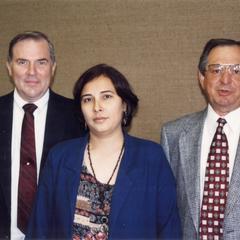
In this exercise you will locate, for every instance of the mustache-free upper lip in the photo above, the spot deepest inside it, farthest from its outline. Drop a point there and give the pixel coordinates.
(99, 118)
(31, 80)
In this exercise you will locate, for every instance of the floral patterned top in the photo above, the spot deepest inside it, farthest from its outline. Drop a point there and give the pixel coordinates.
(92, 208)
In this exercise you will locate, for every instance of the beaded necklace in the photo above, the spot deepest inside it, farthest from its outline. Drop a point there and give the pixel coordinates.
(114, 170)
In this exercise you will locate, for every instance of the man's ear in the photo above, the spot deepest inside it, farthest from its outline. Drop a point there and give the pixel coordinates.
(54, 68)
(8, 65)
(201, 79)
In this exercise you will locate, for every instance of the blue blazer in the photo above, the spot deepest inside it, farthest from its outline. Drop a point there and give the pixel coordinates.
(143, 202)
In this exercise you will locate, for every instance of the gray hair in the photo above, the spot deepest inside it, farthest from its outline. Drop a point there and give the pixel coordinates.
(35, 35)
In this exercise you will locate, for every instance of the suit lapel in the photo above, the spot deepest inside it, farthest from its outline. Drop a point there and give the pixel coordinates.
(190, 145)
(234, 193)
(126, 177)
(72, 173)
(53, 126)
(6, 115)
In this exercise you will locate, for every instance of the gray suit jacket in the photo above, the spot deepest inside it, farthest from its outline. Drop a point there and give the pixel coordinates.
(181, 141)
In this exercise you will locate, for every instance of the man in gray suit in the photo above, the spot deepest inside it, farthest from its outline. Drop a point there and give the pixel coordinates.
(187, 140)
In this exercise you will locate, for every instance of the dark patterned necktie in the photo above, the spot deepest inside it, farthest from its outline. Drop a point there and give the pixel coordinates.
(27, 184)
(215, 187)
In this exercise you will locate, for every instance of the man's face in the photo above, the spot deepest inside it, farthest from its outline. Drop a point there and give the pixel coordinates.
(31, 68)
(222, 88)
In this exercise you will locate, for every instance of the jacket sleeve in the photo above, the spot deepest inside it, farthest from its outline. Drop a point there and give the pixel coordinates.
(169, 221)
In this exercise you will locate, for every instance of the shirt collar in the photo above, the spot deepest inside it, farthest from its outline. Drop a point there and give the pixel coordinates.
(40, 103)
(232, 118)
(212, 117)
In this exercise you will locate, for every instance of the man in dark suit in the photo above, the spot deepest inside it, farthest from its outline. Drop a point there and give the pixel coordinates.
(208, 181)
(31, 65)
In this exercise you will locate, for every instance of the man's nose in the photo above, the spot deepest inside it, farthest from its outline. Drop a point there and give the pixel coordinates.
(226, 76)
(31, 69)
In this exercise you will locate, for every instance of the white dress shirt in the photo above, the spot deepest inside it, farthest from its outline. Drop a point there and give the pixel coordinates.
(232, 131)
(39, 125)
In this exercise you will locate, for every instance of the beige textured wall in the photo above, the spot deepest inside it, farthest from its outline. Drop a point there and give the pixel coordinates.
(155, 43)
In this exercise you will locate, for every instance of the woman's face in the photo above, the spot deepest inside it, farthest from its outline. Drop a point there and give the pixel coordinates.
(102, 108)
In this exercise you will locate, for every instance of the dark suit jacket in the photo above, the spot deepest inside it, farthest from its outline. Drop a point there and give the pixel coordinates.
(143, 204)
(61, 124)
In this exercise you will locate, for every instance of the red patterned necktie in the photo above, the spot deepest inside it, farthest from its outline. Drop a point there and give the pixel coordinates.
(27, 184)
(215, 187)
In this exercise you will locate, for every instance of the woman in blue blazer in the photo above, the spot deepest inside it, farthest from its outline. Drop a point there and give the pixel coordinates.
(106, 185)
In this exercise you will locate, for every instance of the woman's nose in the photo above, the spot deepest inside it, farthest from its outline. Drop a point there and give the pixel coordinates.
(97, 106)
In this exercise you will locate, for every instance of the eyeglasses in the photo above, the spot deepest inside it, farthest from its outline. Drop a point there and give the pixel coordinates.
(217, 70)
